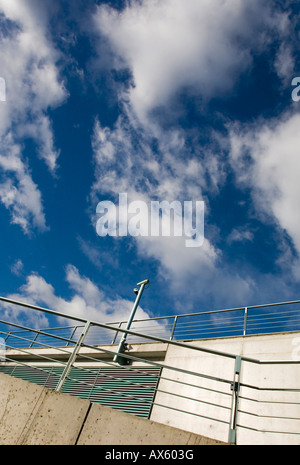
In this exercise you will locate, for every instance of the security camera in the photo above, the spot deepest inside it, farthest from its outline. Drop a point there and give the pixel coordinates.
(146, 281)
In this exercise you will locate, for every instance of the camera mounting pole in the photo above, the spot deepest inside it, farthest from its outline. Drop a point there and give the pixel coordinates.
(122, 345)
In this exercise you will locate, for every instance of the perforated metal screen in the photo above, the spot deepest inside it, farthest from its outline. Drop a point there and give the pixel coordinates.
(131, 390)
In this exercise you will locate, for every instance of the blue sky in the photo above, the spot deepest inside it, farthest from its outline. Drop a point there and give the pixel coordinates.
(163, 100)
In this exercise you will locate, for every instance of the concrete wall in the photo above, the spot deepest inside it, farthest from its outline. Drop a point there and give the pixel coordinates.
(269, 413)
(34, 415)
(274, 411)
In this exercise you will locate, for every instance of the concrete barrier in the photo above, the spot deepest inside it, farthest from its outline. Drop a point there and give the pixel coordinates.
(34, 415)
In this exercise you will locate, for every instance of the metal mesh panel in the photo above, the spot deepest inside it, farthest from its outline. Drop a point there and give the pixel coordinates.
(130, 390)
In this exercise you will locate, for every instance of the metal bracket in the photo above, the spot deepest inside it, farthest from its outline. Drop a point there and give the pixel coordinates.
(118, 357)
(235, 386)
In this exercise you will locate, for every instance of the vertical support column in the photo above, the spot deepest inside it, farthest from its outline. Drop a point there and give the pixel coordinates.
(174, 326)
(245, 321)
(73, 356)
(235, 387)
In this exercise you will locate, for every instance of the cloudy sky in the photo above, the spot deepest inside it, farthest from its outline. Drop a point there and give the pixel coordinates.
(163, 100)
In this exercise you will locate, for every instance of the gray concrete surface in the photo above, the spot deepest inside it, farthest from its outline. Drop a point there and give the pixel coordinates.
(34, 415)
(106, 426)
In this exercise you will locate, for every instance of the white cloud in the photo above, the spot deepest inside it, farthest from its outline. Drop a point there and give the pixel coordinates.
(285, 63)
(240, 235)
(28, 65)
(88, 301)
(18, 192)
(169, 47)
(41, 132)
(126, 162)
(17, 267)
(266, 159)
(173, 44)
(169, 173)
(172, 171)
(97, 256)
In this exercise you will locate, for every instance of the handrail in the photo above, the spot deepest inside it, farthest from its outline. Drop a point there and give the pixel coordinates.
(119, 329)
(234, 309)
(144, 336)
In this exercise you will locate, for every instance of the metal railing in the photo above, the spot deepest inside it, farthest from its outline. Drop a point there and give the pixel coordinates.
(240, 321)
(220, 403)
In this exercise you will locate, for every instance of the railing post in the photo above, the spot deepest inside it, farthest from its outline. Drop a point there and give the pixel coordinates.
(35, 338)
(117, 332)
(73, 356)
(245, 321)
(73, 332)
(173, 329)
(235, 387)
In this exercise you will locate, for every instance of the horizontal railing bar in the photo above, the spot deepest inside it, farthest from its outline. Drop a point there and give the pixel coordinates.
(101, 388)
(209, 322)
(284, 402)
(143, 385)
(125, 356)
(152, 403)
(267, 319)
(215, 311)
(274, 304)
(251, 319)
(153, 338)
(163, 377)
(278, 312)
(257, 388)
(182, 331)
(146, 336)
(40, 343)
(191, 413)
(182, 328)
(43, 329)
(204, 326)
(35, 307)
(265, 431)
(39, 356)
(133, 358)
(124, 367)
(211, 329)
(267, 416)
(42, 309)
(13, 336)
